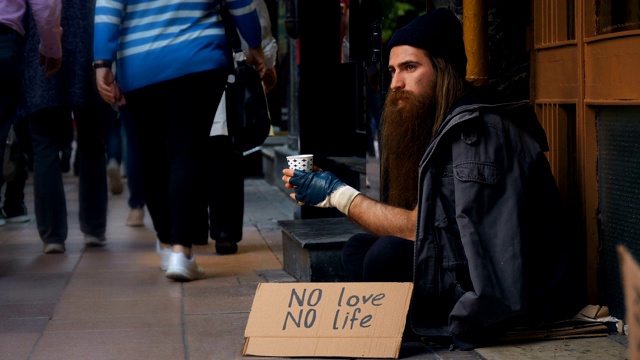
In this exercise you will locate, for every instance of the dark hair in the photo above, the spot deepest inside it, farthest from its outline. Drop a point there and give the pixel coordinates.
(439, 32)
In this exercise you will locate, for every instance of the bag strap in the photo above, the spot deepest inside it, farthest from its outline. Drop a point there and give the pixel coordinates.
(230, 29)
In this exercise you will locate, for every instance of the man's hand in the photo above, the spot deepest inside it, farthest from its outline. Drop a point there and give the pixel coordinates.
(50, 65)
(269, 80)
(321, 189)
(108, 88)
(255, 57)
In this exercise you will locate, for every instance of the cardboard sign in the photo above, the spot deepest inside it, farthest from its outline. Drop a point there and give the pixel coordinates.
(631, 284)
(327, 319)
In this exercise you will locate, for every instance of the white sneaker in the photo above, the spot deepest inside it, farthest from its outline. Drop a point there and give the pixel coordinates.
(136, 217)
(164, 254)
(53, 248)
(18, 219)
(115, 179)
(182, 269)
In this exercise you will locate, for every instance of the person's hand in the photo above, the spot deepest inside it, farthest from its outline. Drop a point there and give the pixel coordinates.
(269, 80)
(255, 57)
(50, 65)
(320, 189)
(108, 88)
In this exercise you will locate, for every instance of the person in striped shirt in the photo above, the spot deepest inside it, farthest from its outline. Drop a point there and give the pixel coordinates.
(172, 60)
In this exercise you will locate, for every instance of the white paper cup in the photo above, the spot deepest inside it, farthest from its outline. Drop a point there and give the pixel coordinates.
(300, 162)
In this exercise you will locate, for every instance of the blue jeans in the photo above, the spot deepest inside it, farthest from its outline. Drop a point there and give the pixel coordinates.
(114, 137)
(48, 133)
(133, 159)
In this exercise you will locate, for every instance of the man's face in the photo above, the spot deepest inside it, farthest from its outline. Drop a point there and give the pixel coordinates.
(408, 118)
(412, 75)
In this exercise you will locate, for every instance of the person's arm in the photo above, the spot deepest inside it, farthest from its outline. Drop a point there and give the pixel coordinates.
(46, 14)
(108, 17)
(323, 189)
(269, 46)
(247, 22)
(381, 219)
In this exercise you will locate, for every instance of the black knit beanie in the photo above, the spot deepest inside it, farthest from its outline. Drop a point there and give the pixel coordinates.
(439, 32)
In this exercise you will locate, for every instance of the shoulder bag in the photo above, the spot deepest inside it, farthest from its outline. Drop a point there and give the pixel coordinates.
(248, 117)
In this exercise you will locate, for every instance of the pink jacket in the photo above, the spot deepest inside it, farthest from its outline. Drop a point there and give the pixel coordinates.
(46, 14)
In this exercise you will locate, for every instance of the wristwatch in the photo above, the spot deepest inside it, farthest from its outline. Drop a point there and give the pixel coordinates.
(101, 64)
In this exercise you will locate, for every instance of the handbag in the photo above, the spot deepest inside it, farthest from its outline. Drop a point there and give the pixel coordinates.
(248, 117)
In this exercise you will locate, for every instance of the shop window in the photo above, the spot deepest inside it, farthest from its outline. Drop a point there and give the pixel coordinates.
(555, 21)
(617, 15)
(559, 123)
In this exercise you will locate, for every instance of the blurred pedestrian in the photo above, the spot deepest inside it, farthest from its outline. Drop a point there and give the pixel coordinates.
(114, 144)
(14, 170)
(123, 155)
(169, 72)
(51, 104)
(226, 192)
(47, 32)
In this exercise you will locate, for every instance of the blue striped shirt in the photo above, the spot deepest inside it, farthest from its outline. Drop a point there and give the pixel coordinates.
(159, 40)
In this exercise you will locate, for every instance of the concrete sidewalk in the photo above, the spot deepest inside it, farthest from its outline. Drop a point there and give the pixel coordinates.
(115, 303)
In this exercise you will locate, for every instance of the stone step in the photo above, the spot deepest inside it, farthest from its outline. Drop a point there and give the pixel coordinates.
(312, 248)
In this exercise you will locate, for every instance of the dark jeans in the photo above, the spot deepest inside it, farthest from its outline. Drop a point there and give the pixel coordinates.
(48, 132)
(11, 72)
(386, 259)
(11, 66)
(226, 190)
(174, 119)
(123, 146)
(114, 137)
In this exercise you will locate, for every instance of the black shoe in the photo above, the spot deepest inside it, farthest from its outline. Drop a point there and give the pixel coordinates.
(226, 247)
(16, 215)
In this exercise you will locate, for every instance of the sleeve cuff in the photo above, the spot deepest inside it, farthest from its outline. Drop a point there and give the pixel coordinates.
(343, 197)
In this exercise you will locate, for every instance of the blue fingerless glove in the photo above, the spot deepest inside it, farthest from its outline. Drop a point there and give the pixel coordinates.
(314, 187)
(322, 189)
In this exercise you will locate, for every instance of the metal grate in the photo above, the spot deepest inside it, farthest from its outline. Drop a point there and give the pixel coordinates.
(619, 197)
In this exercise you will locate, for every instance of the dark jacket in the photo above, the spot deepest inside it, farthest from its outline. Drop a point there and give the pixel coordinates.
(74, 85)
(492, 250)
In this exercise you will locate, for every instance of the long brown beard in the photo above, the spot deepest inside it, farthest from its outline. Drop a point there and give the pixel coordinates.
(406, 133)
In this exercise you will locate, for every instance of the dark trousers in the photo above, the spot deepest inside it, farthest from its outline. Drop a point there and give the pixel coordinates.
(11, 72)
(14, 191)
(386, 259)
(226, 190)
(174, 119)
(49, 129)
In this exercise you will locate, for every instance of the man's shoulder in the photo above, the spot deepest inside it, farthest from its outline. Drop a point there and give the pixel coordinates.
(520, 114)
